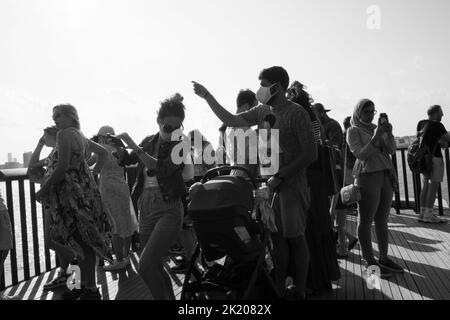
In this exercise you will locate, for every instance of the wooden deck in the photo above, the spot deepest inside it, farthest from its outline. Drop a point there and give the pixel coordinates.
(422, 249)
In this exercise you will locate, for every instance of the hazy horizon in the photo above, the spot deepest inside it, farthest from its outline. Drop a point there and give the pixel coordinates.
(115, 60)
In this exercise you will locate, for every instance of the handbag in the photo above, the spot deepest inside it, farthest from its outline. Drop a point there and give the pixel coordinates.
(349, 194)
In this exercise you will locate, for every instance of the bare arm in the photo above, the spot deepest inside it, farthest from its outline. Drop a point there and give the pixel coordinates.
(148, 161)
(34, 161)
(101, 155)
(63, 141)
(223, 114)
(446, 138)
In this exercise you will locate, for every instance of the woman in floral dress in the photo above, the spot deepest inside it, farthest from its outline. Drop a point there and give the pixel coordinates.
(77, 218)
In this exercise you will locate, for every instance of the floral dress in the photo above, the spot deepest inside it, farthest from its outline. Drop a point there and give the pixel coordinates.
(75, 205)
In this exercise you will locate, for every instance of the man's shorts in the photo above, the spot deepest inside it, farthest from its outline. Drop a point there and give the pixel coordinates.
(438, 170)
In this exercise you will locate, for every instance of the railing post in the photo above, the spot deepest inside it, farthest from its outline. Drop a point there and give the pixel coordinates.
(13, 252)
(447, 165)
(440, 206)
(397, 194)
(23, 225)
(37, 260)
(405, 177)
(48, 262)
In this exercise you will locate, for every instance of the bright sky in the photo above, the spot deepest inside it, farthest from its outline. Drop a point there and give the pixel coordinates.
(115, 60)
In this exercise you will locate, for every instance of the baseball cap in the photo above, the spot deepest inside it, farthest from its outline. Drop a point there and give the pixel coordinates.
(319, 108)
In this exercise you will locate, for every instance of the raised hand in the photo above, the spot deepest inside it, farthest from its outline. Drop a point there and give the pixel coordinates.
(200, 90)
(127, 139)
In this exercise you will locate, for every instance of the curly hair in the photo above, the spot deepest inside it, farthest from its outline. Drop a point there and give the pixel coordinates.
(297, 93)
(172, 107)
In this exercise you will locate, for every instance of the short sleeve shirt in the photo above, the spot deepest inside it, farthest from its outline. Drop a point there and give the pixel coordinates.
(434, 133)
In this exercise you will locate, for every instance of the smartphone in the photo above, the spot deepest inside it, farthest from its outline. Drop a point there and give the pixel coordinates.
(383, 118)
(116, 141)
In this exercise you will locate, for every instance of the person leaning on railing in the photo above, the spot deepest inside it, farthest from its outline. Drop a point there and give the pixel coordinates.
(435, 138)
(373, 146)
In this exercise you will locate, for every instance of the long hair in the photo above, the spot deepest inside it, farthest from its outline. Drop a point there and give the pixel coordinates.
(297, 94)
(69, 111)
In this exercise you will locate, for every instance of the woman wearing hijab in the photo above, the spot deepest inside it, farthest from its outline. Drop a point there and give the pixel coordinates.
(373, 146)
(77, 218)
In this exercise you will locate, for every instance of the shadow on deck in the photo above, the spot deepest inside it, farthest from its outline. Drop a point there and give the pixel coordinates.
(422, 249)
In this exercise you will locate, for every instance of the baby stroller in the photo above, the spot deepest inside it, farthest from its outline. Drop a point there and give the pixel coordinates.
(221, 210)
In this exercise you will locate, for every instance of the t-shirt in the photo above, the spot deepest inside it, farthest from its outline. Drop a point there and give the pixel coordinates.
(434, 133)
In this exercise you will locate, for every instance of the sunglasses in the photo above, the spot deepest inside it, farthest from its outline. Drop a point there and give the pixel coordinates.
(169, 128)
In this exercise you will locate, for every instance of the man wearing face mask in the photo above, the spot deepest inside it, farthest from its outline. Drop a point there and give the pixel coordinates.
(297, 151)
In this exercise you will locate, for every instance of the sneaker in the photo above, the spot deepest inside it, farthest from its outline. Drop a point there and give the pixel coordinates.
(91, 295)
(390, 265)
(73, 294)
(180, 268)
(433, 218)
(59, 281)
(116, 266)
(384, 272)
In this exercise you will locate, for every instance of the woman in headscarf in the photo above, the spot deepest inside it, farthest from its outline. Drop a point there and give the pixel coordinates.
(373, 145)
(77, 218)
(323, 268)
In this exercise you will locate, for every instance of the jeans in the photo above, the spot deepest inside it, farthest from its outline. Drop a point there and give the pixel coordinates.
(375, 205)
(161, 221)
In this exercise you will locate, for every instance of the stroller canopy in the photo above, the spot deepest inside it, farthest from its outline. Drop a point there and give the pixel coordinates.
(222, 192)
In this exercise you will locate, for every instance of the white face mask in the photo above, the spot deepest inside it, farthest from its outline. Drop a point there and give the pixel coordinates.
(264, 95)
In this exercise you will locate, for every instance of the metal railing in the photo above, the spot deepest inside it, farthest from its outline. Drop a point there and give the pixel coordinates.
(416, 182)
(19, 176)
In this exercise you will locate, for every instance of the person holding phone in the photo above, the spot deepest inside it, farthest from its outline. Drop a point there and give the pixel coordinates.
(373, 146)
(116, 198)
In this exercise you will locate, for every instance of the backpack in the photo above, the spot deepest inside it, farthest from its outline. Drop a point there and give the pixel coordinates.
(420, 157)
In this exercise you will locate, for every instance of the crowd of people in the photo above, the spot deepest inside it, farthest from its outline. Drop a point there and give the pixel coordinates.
(84, 216)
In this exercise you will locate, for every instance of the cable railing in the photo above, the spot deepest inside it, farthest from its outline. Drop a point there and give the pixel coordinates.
(30, 256)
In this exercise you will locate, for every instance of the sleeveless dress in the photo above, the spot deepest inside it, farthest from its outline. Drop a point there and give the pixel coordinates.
(116, 197)
(75, 206)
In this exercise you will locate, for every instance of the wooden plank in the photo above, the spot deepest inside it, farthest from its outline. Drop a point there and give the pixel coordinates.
(398, 285)
(417, 270)
(427, 260)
